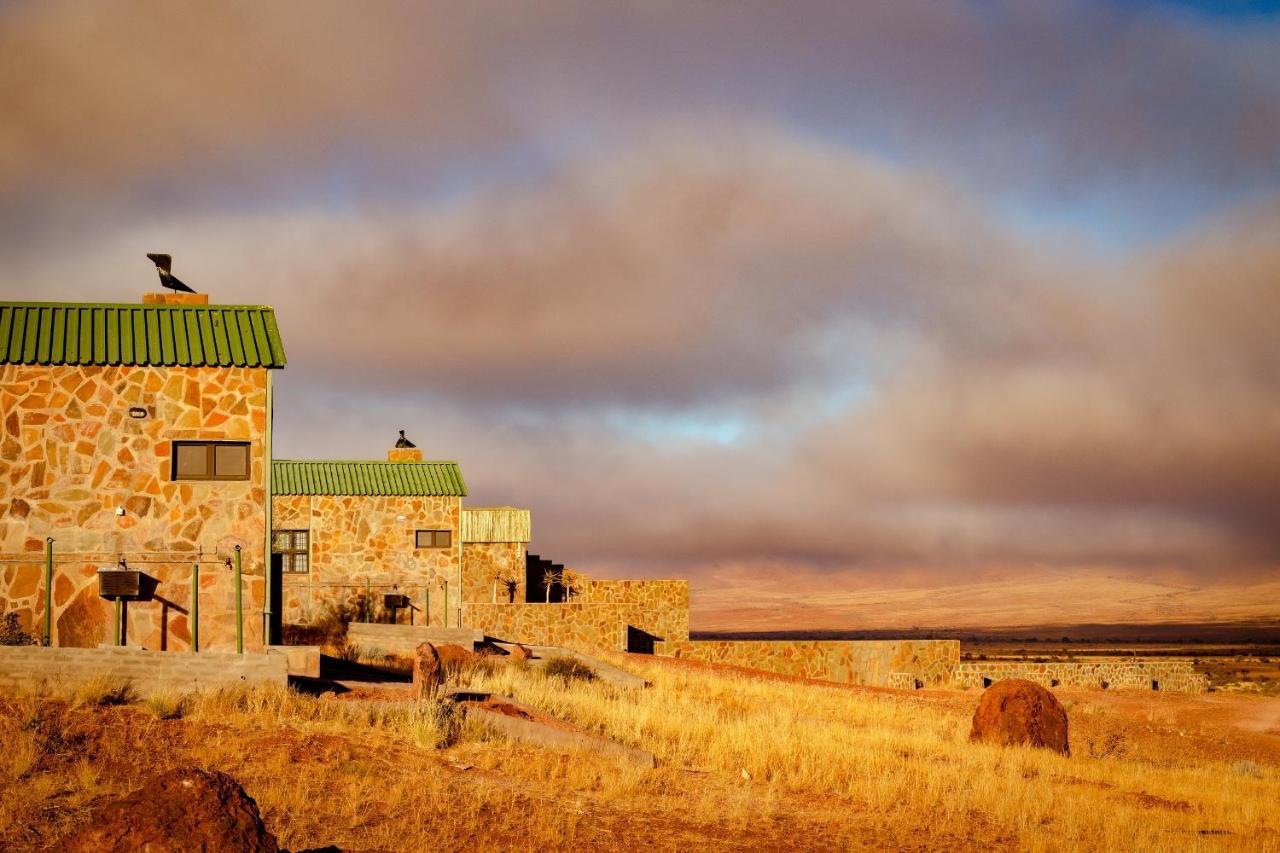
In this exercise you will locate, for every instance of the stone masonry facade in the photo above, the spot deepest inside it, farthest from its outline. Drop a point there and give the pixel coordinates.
(76, 467)
(1158, 674)
(597, 619)
(875, 663)
(361, 542)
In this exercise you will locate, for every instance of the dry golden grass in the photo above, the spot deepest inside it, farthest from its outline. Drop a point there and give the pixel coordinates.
(745, 763)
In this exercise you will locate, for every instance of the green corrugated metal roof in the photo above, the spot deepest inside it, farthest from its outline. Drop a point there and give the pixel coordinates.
(411, 479)
(139, 335)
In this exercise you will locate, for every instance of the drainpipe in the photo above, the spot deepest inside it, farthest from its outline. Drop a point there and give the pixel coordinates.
(48, 591)
(446, 602)
(458, 527)
(119, 622)
(267, 603)
(195, 607)
(239, 607)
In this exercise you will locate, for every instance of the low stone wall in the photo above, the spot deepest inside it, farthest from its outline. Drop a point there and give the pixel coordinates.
(1172, 675)
(596, 619)
(403, 639)
(577, 625)
(41, 669)
(877, 663)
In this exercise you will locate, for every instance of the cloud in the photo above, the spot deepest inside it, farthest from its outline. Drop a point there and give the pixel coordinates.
(697, 344)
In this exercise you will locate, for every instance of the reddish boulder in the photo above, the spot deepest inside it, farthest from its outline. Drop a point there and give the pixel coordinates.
(519, 652)
(181, 810)
(428, 673)
(1016, 711)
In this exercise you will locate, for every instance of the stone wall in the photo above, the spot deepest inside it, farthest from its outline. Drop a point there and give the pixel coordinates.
(360, 539)
(597, 619)
(42, 669)
(877, 663)
(483, 561)
(70, 455)
(1171, 675)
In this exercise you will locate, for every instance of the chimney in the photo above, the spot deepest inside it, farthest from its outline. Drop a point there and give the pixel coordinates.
(404, 451)
(175, 299)
(404, 454)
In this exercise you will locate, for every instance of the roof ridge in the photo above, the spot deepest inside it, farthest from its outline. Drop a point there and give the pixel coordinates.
(367, 461)
(157, 306)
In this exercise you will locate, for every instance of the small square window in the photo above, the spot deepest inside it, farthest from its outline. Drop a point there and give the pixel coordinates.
(293, 547)
(231, 461)
(433, 539)
(190, 462)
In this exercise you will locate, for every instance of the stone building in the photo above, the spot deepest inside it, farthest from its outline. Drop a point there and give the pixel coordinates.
(136, 432)
(140, 435)
(348, 533)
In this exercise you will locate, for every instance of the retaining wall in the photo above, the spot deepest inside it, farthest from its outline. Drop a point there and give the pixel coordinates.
(41, 669)
(1172, 675)
(877, 663)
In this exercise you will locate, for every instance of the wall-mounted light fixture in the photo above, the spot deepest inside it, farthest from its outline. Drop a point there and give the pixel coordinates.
(402, 518)
(120, 511)
(137, 412)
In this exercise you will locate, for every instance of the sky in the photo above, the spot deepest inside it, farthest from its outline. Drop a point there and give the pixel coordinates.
(853, 292)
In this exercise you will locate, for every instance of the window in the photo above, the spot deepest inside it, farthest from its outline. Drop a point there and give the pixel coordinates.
(293, 547)
(433, 539)
(211, 460)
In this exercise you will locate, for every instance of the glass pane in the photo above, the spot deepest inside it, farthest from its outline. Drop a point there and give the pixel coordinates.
(443, 539)
(299, 562)
(300, 538)
(423, 539)
(190, 461)
(231, 460)
(280, 541)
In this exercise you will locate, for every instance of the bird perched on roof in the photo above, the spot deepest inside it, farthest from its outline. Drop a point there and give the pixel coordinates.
(404, 442)
(167, 279)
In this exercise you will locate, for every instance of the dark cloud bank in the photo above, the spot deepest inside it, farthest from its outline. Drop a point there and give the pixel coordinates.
(709, 337)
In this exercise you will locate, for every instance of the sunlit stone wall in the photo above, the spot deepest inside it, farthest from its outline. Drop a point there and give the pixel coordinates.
(596, 619)
(70, 455)
(1174, 676)
(877, 663)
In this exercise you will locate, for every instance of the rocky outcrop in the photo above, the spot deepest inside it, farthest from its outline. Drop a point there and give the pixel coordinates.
(181, 810)
(1016, 711)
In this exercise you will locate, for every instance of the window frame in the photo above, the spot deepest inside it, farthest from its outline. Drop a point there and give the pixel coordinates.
(211, 455)
(289, 556)
(434, 535)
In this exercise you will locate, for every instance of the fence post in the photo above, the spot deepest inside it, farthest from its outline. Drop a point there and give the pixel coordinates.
(368, 602)
(119, 620)
(426, 606)
(195, 607)
(239, 608)
(446, 602)
(48, 591)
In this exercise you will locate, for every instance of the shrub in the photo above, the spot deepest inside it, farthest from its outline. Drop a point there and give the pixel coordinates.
(568, 669)
(166, 706)
(11, 633)
(102, 690)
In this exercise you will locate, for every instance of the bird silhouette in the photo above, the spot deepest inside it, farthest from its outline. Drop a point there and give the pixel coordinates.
(167, 279)
(404, 442)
